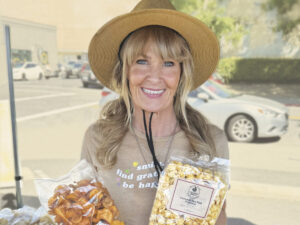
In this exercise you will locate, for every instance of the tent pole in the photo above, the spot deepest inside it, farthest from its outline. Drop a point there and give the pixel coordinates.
(13, 117)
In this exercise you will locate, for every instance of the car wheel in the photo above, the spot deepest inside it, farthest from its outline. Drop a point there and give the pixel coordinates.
(40, 76)
(24, 76)
(85, 85)
(241, 128)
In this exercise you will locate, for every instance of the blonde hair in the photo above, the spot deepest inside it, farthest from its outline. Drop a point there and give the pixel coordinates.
(116, 115)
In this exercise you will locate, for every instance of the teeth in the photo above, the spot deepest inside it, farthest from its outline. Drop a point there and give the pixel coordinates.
(152, 92)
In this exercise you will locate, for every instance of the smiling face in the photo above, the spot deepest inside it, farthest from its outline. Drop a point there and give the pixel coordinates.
(154, 63)
(153, 81)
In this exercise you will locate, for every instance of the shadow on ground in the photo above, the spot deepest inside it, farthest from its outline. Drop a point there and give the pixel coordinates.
(264, 140)
(92, 86)
(9, 201)
(267, 140)
(238, 221)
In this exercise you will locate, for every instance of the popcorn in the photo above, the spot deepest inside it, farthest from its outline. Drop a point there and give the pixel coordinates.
(189, 195)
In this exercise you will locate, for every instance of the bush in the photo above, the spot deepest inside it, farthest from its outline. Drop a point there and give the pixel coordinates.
(274, 70)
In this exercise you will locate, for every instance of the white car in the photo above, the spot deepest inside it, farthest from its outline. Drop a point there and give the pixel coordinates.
(28, 70)
(242, 117)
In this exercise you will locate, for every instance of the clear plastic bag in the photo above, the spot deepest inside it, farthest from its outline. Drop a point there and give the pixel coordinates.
(78, 198)
(6, 215)
(191, 192)
(25, 216)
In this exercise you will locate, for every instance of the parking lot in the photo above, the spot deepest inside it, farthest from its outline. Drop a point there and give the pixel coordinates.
(52, 116)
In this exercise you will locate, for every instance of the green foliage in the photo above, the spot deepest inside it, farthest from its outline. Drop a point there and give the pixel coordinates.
(184, 5)
(285, 23)
(213, 15)
(286, 26)
(282, 7)
(257, 70)
(227, 67)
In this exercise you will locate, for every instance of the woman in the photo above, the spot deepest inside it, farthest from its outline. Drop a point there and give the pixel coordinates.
(153, 63)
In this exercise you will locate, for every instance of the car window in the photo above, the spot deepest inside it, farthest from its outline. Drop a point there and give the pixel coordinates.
(219, 90)
(29, 65)
(77, 65)
(194, 93)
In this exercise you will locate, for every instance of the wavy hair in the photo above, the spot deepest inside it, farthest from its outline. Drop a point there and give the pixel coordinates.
(116, 115)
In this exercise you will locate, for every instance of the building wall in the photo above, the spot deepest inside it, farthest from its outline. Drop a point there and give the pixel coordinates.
(37, 39)
(76, 20)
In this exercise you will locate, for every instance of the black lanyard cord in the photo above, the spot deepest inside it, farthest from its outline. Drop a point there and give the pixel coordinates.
(151, 141)
(157, 165)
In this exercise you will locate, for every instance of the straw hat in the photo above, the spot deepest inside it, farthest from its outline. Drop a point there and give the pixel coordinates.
(104, 46)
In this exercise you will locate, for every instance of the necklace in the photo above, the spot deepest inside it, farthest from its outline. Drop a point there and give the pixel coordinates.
(168, 145)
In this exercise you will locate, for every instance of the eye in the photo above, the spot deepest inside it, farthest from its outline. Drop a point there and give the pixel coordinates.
(141, 61)
(168, 63)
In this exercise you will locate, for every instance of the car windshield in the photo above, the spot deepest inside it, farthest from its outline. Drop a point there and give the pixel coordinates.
(219, 90)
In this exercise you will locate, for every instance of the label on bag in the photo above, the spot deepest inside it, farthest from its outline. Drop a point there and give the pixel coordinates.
(191, 198)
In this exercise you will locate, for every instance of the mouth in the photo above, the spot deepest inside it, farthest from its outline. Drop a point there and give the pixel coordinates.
(153, 93)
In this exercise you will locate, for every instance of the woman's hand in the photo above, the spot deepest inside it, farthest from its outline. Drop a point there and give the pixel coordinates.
(222, 220)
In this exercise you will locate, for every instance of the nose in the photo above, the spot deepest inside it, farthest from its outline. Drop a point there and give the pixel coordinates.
(155, 72)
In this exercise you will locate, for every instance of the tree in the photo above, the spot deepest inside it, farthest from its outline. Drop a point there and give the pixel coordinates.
(228, 30)
(287, 18)
(285, 22)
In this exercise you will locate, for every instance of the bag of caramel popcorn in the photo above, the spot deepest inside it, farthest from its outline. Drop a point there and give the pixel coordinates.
(190, 192)
(78, 198)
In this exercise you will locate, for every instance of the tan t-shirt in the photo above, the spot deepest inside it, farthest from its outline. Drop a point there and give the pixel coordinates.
(131, 181)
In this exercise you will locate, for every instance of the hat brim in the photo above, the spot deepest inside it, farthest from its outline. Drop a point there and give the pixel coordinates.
(104, 46)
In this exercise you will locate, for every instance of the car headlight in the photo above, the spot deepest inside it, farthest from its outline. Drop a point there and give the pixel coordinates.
(268, 113)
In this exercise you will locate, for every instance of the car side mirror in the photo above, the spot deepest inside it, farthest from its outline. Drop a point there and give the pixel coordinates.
(203, 96)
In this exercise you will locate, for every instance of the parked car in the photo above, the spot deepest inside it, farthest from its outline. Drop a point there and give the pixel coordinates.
(28, 70)
(242, 117)
(76, 68)
(50, 72)
(88, 78)
(66, 69)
